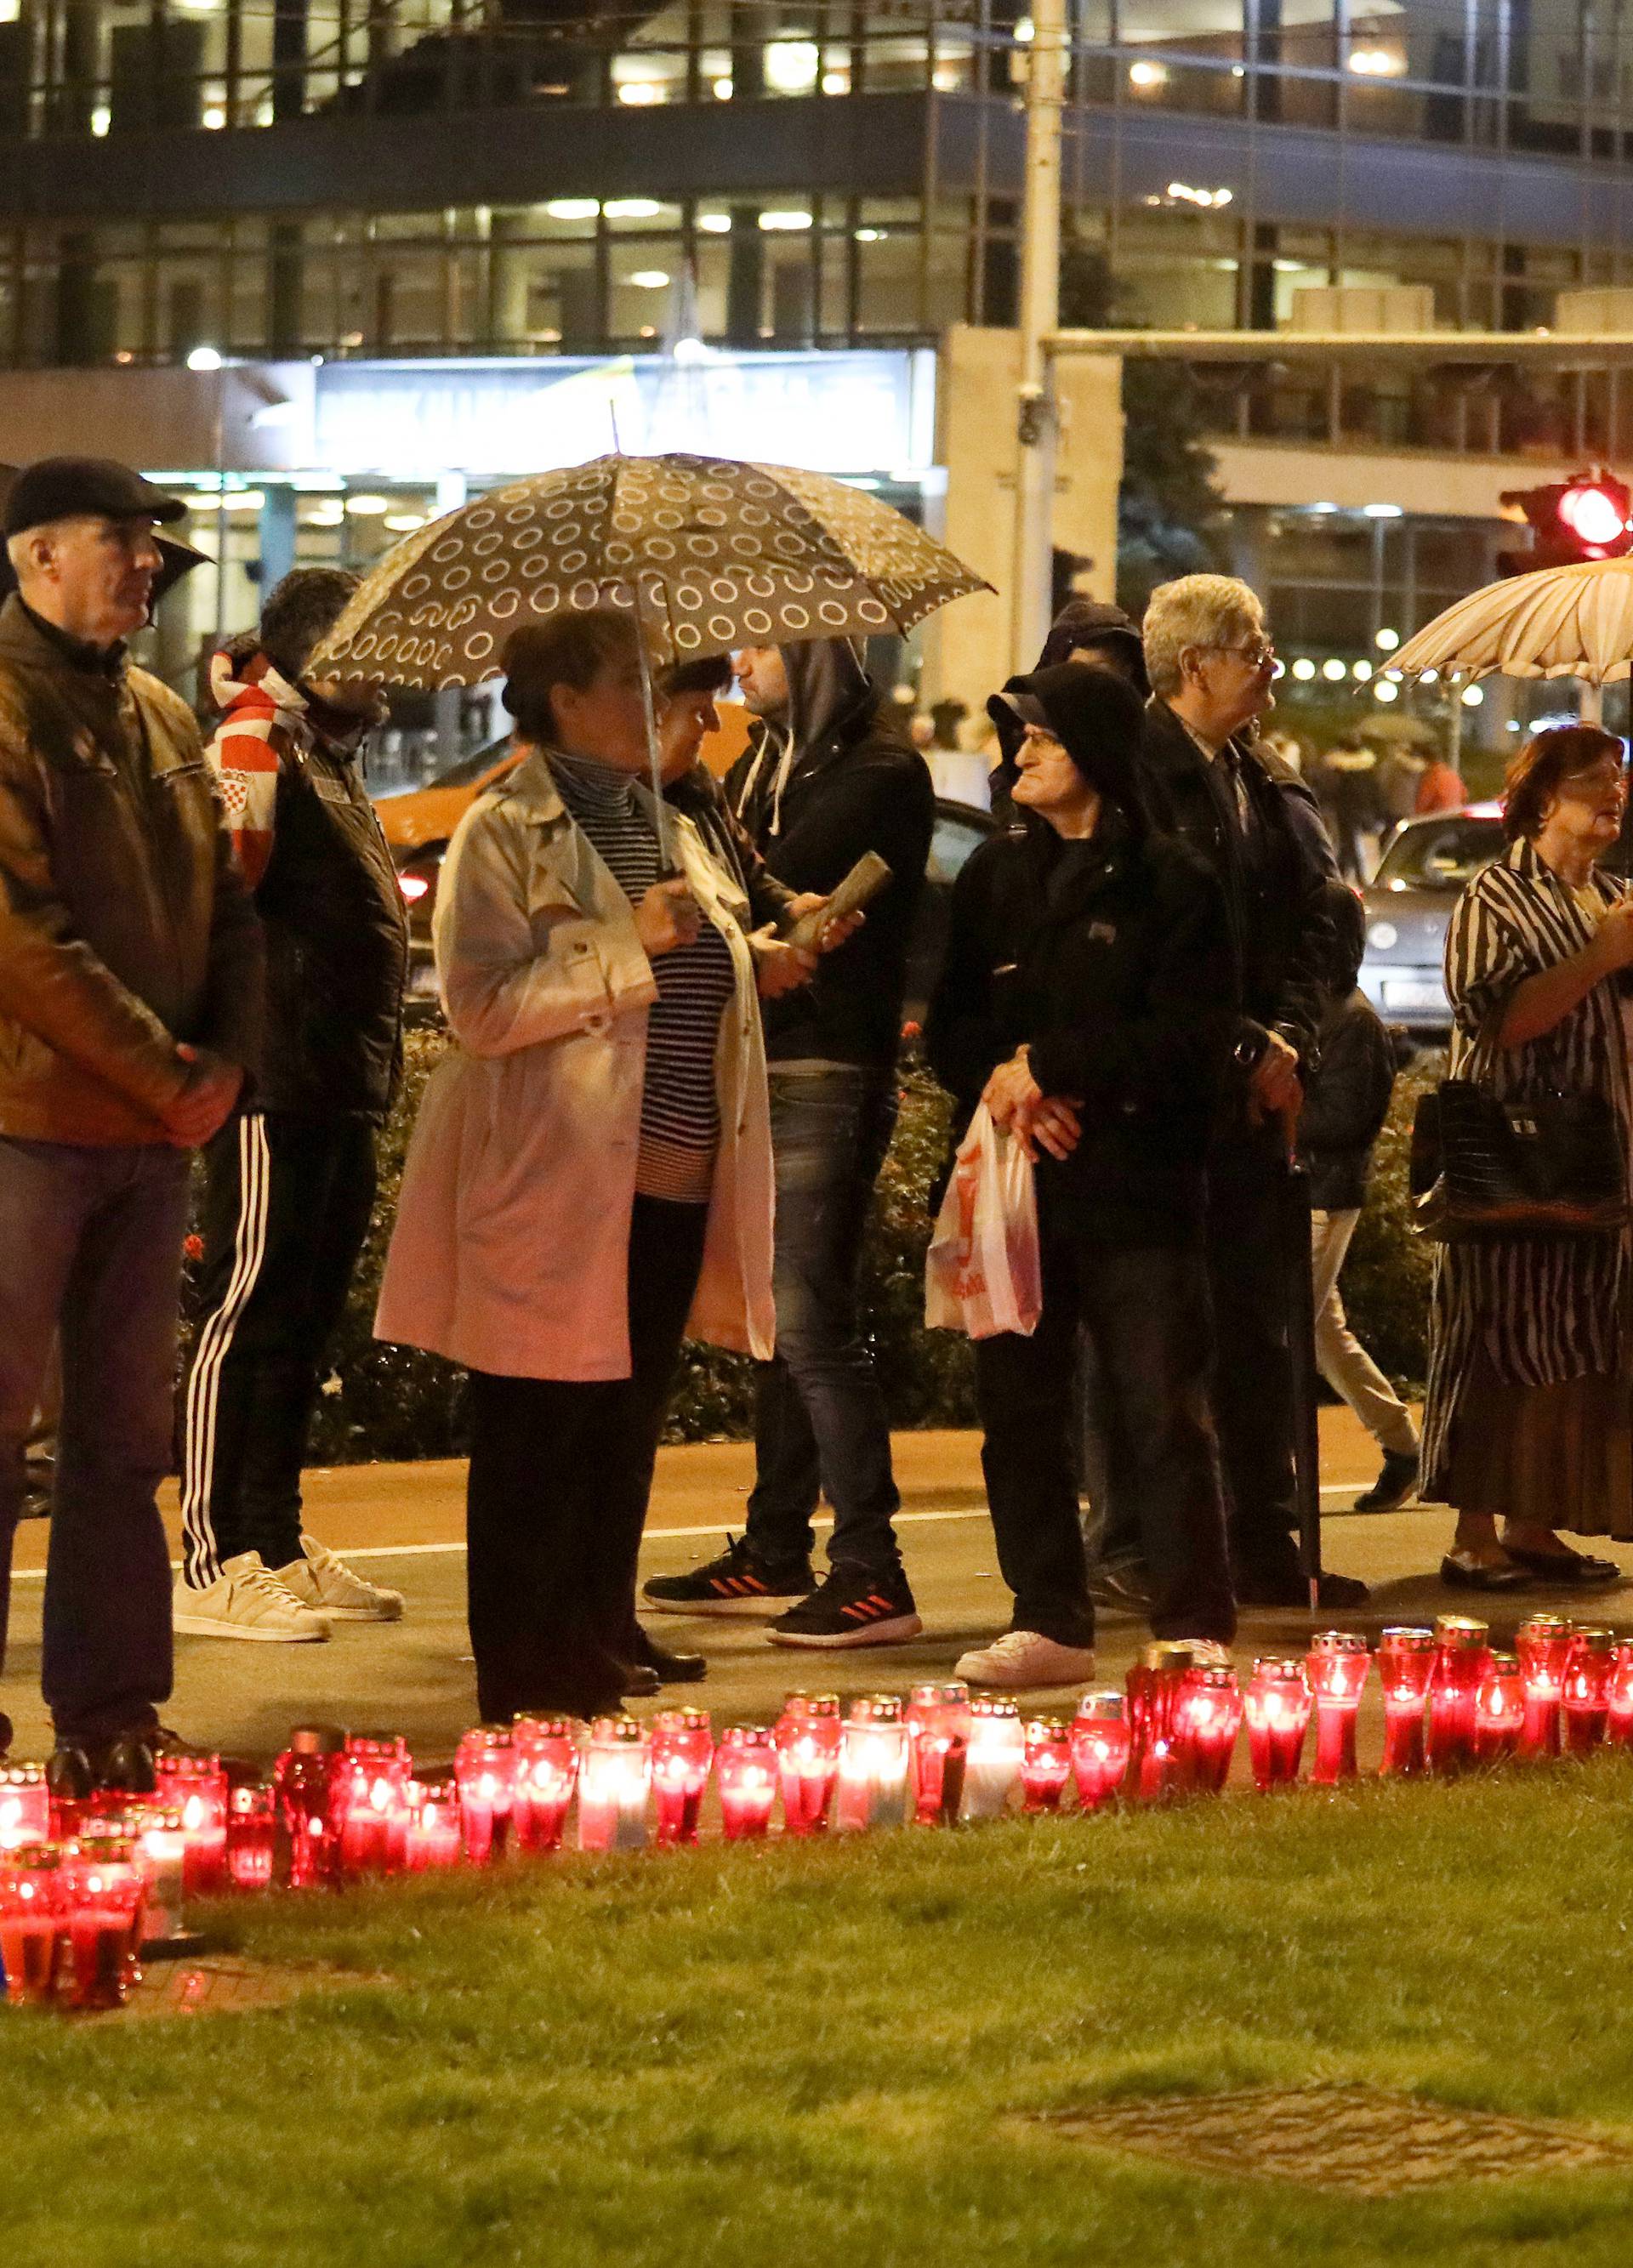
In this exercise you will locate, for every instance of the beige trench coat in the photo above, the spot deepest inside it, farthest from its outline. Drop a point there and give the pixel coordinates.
(513, 1230)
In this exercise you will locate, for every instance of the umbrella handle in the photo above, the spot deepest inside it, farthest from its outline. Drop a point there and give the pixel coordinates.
(667, 866)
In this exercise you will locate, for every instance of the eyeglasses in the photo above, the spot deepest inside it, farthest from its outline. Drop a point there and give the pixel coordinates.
(1259, 653)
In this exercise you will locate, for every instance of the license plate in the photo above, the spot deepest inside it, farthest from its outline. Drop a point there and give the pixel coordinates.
(1414, 992)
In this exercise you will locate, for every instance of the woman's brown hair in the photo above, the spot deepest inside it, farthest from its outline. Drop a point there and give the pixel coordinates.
(569, 649)
(1533, 776)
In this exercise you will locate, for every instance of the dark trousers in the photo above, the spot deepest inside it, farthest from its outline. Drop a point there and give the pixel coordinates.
(90, 1253)
(1146, 1313)
(820, 1426)
(561, 1474)
(1247, 1269)
(286, 1208)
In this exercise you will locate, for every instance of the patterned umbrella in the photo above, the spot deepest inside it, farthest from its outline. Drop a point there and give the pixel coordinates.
(1559, 622)
(714, 553)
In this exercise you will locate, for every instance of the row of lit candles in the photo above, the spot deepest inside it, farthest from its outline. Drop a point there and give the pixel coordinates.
(113, 1873)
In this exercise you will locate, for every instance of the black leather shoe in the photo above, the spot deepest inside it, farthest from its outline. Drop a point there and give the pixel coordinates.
(1290, 1588)
(68, 1775)
(639, 1682)
(1460, 1571)
(6, 1732)
(127, 1764)
(670, 1668)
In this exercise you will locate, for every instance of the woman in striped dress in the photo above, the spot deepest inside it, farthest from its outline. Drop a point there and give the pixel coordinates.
(1530, 1407)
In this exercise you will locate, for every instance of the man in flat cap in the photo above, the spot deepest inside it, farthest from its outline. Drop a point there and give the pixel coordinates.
(129, 1006)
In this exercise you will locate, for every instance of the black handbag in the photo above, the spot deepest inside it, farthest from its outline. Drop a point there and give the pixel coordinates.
(1481, 1167)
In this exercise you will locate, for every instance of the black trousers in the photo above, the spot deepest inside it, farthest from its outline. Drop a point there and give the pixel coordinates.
(1146, 1312)
(561, 1474)
(286, 1207)
(1247, 1271)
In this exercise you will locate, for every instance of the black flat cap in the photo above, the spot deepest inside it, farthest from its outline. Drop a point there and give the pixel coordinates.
(55, 488)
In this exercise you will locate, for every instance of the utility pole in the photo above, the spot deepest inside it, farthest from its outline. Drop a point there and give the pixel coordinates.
(1040, 317)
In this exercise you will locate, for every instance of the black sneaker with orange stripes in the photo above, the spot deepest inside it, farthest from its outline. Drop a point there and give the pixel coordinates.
(851, 1606)
(739, 1582)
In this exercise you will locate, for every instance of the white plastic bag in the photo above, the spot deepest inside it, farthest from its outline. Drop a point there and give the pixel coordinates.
(982, 1275)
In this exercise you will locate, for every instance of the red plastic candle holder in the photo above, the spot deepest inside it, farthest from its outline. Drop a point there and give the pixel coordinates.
(993, 1760)
(682, 1748)
(372, 1805)
(1336, 1666)
(102, 1893)
(809, 1739)
(1405, 1662)
(25, 1806)
(875, 1757)
(1099, 1747)
(547, 1772)
(1499, 1709)
(251, 1837)
(1461, 1653)
(196, 1786)
(434, 1838)
(1159, 1760)
(746, 1771)
(484, 1772)
(1047, 1765)
(1210, 1718)
(33, 1914)
(304, 1780)
(1619, 1696)
(1585, 1700)
(939, 1720)
(614, 1776)
(1276, 1705)
(1543, 1647)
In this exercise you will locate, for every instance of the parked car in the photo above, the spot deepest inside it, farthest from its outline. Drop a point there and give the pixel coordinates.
(418, 824)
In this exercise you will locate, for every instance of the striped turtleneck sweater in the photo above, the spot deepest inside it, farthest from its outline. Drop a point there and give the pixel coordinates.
(680, 1117)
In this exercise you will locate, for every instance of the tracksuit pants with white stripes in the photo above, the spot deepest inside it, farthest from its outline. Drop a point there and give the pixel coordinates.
(286, 1208)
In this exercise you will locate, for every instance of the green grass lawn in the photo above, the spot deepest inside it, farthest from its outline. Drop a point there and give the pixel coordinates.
(795, 2054)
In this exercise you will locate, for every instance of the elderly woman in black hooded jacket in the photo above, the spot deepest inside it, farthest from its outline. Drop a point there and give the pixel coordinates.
(1089, 997)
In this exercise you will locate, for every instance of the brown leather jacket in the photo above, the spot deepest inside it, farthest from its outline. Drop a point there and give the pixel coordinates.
(124, 926)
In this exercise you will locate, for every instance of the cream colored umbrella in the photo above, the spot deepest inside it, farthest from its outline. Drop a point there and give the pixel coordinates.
(1559, 621)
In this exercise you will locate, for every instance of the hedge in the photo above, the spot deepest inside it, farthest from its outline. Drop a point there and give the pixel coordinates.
(394, 1403)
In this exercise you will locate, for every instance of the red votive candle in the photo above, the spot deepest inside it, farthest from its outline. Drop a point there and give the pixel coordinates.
(1587, 1696)
(25, 1806)
(372, 1805)
(196, 1786)
(615, 1774)
(1336, 1666)
(1405, 1662)
(939, 1720)
(1046, 1765)
(32, 1919)
(484, 1771)
(1543, 1645)
(1099, 1747)
(874, 1758)
(746, 1771)
(1276, 1705)
(1499, 1709)
(1461, 1653)
(252, 1833)
(682, 1748)
(433, 1838)
(1210, 1718)
(1159, 1761)
(304, 1780)
(1619, 1696)
(547, 1771)
(102, 1894)
(809, 1739)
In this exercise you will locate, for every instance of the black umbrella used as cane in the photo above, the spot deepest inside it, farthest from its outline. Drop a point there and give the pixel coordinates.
(1300, 1356)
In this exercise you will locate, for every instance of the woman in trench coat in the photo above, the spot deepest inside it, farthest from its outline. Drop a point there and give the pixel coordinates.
(590, 1177)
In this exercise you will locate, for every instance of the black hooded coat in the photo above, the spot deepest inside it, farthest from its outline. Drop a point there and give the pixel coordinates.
(813, 795)
(1111, 960)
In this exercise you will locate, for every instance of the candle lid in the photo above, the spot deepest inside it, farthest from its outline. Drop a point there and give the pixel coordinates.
(1505, 1665)
(1544, 1626)
(526, 1729)
(1592, 1639)
(626, 1729)
(1408, 1638)
(1104, 1706)
(1338, 1641)
(994, 1704)
(1460, 1631)
(811, 1704)
(1281, 1666)
(22, 1775)
(316, 1740)
(1169, 1655)
(748, 1736)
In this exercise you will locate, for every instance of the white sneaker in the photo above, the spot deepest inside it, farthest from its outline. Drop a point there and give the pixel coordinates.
(1022, 1658)
(246, 1600)
(326, 1583)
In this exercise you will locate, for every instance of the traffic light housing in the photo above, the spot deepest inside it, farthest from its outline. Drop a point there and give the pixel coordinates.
(1588, 517)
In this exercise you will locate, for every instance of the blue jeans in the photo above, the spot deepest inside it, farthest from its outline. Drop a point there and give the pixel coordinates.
(820, 1425)
(91, 1249)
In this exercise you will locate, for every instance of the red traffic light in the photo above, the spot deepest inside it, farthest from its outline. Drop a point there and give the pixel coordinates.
(1590, 517)
(1596, 513)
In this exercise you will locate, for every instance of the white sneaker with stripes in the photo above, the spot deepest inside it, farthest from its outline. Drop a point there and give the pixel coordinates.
(321, 1580)
(248, 1601)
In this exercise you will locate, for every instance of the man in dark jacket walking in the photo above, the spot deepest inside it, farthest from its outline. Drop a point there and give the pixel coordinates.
(289, 1185)
(1211, 666)
(130, 988)
(824, 782)
(1089, 995)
